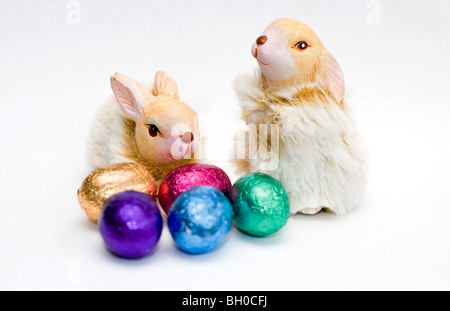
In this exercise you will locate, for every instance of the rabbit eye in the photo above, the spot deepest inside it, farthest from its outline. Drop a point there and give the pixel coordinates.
(302, 45)
(153, 130)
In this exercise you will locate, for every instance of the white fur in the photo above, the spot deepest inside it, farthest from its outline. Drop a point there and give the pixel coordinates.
(106, 137)
(318, 169)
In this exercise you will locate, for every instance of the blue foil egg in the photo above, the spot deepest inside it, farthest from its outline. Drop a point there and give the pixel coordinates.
(200, 219)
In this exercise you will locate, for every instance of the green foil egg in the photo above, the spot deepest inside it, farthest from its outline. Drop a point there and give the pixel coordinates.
(260, 203)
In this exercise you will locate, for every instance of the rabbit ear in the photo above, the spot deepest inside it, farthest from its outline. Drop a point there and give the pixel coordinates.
(165, 85)
(334, 77)
(130, 95)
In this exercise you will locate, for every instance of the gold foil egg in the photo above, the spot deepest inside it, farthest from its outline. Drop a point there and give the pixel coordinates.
(103, 183)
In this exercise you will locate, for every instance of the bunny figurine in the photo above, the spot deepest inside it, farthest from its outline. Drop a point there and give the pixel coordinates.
(299, 88)
(151, 128)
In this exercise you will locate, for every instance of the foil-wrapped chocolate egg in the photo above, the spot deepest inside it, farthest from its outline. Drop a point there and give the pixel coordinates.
(260, 203)
(130, 224)
(105, 182)
(188, 176)
(200, 220)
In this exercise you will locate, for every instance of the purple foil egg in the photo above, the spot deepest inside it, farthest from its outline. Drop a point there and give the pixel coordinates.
(130, 224)
(189, 176)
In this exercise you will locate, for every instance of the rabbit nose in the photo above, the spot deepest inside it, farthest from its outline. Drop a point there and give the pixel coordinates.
(187, 137)
(261, 40)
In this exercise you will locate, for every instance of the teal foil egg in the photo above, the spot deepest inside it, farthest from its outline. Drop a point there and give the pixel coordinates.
(260, 204)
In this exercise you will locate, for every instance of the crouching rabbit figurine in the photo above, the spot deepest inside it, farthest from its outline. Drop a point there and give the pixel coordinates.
(153, 128)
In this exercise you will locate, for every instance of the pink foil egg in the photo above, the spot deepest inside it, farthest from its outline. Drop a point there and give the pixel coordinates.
(188, 176)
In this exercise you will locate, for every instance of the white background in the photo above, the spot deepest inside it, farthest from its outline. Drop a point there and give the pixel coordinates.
(55, 75)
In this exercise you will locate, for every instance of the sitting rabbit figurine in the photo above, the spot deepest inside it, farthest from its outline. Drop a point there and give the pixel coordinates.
(151, 128)
(322, 160)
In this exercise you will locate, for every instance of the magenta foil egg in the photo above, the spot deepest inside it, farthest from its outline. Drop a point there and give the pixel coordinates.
(188, 176)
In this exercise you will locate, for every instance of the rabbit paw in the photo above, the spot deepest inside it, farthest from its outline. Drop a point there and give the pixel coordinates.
(310, 211)
(257, 117)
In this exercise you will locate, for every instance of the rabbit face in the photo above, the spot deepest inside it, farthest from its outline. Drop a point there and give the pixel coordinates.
(289, 52)
(288, 49)
(165, 132)
(165, 125)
